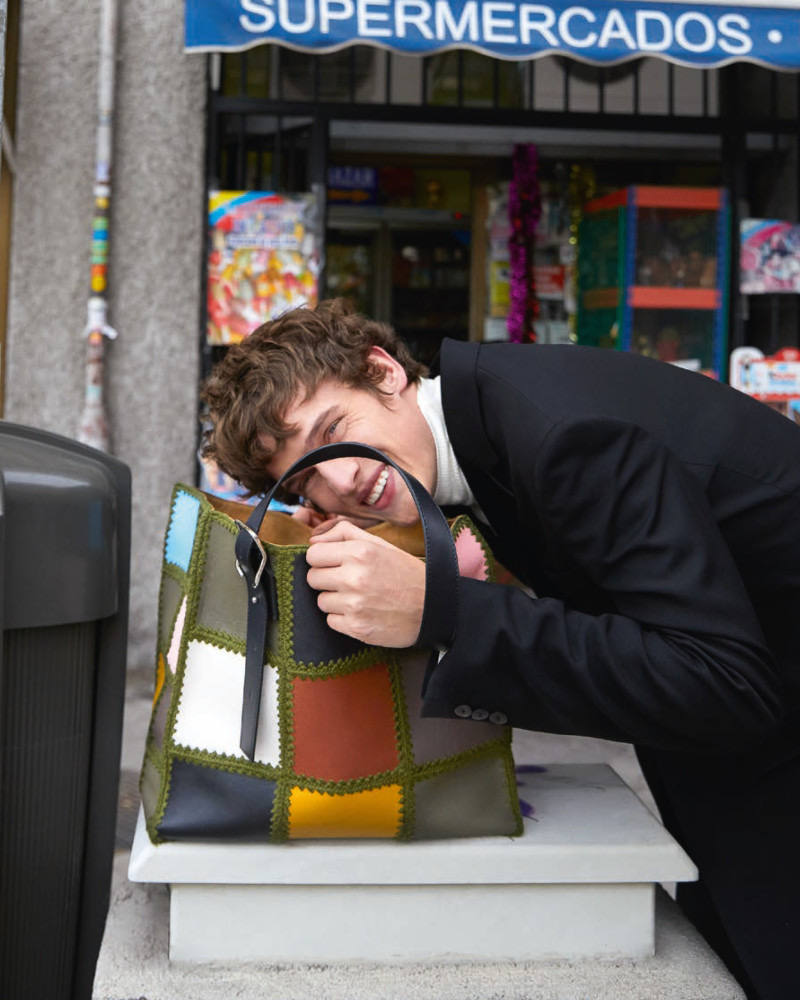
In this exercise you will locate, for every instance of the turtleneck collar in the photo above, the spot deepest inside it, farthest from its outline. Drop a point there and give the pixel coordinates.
(452, 488)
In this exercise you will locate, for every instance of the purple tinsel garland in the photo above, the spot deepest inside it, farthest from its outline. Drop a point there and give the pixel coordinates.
(524, 210)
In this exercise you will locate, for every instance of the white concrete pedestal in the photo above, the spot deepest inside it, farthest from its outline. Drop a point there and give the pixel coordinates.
(578, 884)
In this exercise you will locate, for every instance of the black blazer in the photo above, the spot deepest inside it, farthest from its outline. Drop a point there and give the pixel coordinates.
(656, 515)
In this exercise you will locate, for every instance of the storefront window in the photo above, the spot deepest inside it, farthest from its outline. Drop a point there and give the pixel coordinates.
(473, 80)
(350, 268)
(283, 74)
(262, 152)
(247, 74)
(430, 287)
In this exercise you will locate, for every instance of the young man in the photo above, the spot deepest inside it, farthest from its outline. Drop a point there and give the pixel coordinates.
(654, 513)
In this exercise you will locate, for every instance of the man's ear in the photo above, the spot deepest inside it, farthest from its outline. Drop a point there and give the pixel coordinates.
(394, 375)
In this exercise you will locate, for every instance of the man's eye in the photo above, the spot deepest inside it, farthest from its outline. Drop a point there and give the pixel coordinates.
(298, 485)
(332, 427)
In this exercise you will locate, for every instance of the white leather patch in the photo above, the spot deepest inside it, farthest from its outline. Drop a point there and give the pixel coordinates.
(210, 710)
(175, 641)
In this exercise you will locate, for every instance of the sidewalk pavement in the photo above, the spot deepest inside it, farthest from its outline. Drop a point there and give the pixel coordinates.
(133, 962)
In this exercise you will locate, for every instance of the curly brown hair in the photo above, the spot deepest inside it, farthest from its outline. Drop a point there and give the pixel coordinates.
(249, 391)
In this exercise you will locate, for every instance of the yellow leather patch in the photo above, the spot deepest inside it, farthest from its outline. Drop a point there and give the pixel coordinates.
(371, 813)
(160, 673)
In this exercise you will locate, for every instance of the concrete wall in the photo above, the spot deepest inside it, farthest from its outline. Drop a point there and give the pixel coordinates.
(156, 252)
(2, 47)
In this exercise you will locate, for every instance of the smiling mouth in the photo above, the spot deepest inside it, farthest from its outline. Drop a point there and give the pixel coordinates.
(377, 490)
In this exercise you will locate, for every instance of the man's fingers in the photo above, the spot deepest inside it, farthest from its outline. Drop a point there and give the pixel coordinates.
(367, 588)
(332, 554)
(328, 578)
(335, 529)
(338, 623)
(323, 525)
(339, 614)
(333, 603)
(309, 516)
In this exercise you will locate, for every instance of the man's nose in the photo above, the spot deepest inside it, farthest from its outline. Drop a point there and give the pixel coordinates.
(340, 475)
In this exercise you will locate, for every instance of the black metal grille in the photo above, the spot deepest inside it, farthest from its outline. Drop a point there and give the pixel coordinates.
(262, 152)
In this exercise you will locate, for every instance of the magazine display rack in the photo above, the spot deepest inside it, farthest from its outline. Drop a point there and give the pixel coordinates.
(774, 379)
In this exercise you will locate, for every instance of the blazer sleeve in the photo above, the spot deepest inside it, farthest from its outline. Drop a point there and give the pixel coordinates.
(680, 663)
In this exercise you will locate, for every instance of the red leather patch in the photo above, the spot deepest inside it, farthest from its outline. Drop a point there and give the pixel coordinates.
(344, 727)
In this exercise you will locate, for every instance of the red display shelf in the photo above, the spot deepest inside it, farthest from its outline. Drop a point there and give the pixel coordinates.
(653, 297)
(647, 196)
(652, 196)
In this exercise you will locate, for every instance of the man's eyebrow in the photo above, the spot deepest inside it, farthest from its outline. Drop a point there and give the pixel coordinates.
(322, 419)
(292, 484)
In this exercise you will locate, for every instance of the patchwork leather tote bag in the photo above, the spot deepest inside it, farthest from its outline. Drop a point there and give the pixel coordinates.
(267, 725)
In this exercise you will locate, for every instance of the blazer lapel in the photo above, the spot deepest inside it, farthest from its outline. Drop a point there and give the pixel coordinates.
(518, 541)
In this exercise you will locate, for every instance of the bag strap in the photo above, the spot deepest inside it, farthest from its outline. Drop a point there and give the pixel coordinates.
(252, 561)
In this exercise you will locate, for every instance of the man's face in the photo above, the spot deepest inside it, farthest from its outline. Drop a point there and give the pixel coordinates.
(360, 489)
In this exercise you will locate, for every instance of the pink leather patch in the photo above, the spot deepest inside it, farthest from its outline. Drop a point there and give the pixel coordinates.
(471, 557)
(175, 642)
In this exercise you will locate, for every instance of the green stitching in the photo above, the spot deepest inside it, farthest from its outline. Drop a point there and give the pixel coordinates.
(371, 656)
(196, 565)
(159, 755)
(513, 794)
(177, 574)
(408, 813)
(405, 748)
(220, 639)
(165, 687)
(279, 827)
(168, 637)
(161, 806)
(225, 762)
(282, 568)
(433, 768)
(346, 786)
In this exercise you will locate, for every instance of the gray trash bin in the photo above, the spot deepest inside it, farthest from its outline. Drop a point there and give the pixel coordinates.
(64, 568)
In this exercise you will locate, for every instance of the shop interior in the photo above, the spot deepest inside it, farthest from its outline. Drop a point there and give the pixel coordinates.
(410, 160)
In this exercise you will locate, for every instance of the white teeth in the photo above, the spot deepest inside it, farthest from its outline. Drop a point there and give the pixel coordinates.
(378, 488)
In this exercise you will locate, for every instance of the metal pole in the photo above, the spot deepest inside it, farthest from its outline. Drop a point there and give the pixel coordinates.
(94, 427)
(318, 176)
(2, 68)
(734, 178)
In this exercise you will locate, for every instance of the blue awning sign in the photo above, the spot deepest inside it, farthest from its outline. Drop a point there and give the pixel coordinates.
(601, 32)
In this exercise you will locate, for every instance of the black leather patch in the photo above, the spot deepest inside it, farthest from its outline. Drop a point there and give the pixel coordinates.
(313, 641)
(205, 804)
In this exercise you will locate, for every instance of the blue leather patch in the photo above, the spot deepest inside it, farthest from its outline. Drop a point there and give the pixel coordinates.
(218, 803)
(181, 530)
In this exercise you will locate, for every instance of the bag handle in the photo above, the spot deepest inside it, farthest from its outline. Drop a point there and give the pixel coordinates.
(252, 561)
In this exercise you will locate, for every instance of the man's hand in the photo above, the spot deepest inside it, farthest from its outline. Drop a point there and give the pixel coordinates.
(308, 515)
(369, 589)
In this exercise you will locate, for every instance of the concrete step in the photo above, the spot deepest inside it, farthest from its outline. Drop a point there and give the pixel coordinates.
(134, 963)
(579, 883)
(134, 959)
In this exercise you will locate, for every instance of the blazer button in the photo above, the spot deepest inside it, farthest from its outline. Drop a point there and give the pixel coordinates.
(480, 714)
(498, 718)
(463, 711)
